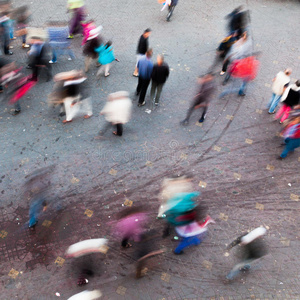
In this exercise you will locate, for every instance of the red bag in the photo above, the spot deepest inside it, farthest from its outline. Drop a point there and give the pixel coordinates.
(245, 68)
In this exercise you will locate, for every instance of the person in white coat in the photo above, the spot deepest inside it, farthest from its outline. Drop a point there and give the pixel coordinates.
(117, 112)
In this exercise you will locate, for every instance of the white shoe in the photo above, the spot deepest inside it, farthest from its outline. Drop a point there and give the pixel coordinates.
(69, 58)
(52, 62)
(222, 73)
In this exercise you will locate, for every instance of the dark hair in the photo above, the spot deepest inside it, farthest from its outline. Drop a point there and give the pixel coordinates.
(108, 44)
(297, 82)
(147, 30)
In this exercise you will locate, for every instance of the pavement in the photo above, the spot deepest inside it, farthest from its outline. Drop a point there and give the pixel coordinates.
(232, 157)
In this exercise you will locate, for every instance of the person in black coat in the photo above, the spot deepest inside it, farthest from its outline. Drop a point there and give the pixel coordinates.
(142, 48)
(159, 76)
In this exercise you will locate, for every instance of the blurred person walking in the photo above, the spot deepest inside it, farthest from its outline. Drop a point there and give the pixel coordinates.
(280, 83)
(172, 6)
(145, 67)
(289, 99)
(72, 93)
(142, 48)
(291, 134)
(90, 44)
(22, 17)
(39, 57)
(117, 111)
(240, 49)
(202, 99)
(5, 32)
(252, 248)
(58, 33)
(106, 57)
(160, 74)
(77, 9)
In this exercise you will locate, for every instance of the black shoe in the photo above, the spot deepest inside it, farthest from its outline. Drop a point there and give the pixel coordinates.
(16, 112)
(62, 114)
(28, 67)
(280, 158)
(242, 94)
(49, 78)
(202, 119)
(9, 53)
(142, 104)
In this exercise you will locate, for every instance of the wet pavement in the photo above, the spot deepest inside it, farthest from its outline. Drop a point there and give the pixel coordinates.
(232, 157)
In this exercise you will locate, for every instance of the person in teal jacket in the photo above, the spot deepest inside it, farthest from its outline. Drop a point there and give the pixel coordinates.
(106, 57)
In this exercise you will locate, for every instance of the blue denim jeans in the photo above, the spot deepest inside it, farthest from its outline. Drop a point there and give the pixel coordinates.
(234, 89)
(58, 52)
(273, 102)
(290, 145)
(190, 241)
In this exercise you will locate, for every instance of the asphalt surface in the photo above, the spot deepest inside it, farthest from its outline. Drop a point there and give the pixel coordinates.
(232, 157)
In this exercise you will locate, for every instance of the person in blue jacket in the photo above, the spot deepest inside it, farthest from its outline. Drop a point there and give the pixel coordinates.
(106, 57)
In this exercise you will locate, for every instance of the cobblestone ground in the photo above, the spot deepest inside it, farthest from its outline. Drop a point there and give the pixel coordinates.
(232, 157)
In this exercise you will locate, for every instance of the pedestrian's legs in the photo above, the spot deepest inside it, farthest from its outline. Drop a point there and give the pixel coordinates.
(158, 92)
(139, 86)
(119, 129)
(48, 70)
(107, 68)
(273, 104)
(243, 88)
(186, 242)
(153, 88)
(189, 113)
(291, 145)
(33, 213)
(54, 56)
(125, 242)
(171, 9)
(203, 114)
(17, 106)
(238, 267)
(145, 84)
(87, 63)
(71, 53)
(101, 70)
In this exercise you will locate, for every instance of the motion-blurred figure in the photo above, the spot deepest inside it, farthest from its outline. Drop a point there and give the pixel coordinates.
(244, 70)
(145, 67)
(77, 9)
(130, 225)
(106, 57)
(60, 45)
(291, 133)
(92, 41)
(142, 48)
(39, 57)
(83, 253)
(5, 25)
(280, 83)
(37, 191)
(117, 111)
(160, 74)
(202, 99)
(14, 84)
(240, 49)
(22, 16)
(72, 93)
(252, 248)
(289, 99)
(237, 20)
(171, 8)
(170, 187)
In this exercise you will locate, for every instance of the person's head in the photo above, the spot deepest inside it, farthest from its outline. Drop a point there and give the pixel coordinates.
(297, 82)
(147, 33)
(149, 53)
(160, 59)
(288, 71)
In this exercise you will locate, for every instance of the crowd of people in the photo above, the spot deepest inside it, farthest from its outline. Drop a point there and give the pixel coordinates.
(179, 209)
